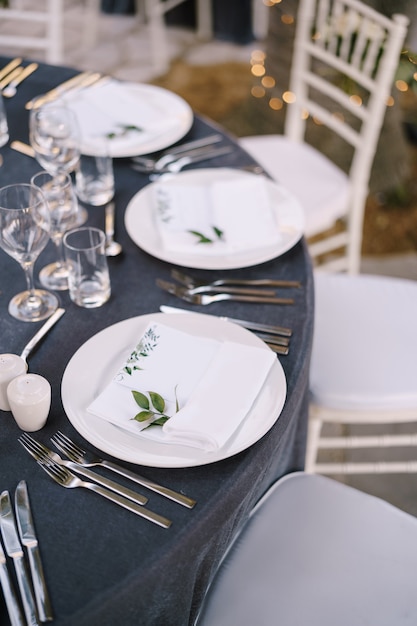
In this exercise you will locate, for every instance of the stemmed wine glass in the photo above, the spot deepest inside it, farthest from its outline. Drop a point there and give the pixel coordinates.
(62, 204)
(24, 233)
(54, 135)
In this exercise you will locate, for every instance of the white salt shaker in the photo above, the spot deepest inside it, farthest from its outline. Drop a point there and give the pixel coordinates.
(11, 366)
(29, 397)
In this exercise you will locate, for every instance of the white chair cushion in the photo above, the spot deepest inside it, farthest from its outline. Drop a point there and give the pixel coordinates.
(320, 186)
(365, 343)
(318, 553)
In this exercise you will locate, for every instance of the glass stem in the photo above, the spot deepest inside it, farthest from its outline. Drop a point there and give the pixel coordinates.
(33, 298)
(58, 241)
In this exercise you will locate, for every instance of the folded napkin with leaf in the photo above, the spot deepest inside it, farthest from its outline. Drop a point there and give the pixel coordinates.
(219, 217)
(111, 110)
(195, 391)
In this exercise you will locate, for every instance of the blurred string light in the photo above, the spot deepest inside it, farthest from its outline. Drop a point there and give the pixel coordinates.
(264, 88)
(265, 84)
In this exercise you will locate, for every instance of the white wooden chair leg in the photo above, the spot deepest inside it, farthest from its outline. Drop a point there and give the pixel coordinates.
(91, 18)
(55, 53)
(157, 35)
(204, 19)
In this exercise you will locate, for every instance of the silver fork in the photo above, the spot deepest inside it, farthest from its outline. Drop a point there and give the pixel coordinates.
(65, 478)
(177, 162)
(90, 459)
(204, 299)
(242, 290)
(171, 153)
(191, 282)
(42, 453)
(176, 166)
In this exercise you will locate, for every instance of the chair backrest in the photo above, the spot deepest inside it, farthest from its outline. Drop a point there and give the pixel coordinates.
(25, 27)
(341, 44)
(32, 25)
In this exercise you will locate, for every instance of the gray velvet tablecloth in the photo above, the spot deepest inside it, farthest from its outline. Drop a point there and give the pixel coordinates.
(104, 565)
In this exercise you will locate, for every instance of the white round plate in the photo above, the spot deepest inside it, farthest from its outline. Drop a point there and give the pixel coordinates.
(142, 228)
(169, 105)
(93, 365)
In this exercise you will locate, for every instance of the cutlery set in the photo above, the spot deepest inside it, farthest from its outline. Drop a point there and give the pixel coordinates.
(63, 471)
(89, 459)
(149, 165)
(34, 597)
(191, 282)
(12, 75)
(197, 291)
(174, 163)
(196, 297)
(243, 291)
(80, 81)
(18, 531)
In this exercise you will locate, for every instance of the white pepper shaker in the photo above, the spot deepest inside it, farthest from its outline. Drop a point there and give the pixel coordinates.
(29, 397)
(11, 366)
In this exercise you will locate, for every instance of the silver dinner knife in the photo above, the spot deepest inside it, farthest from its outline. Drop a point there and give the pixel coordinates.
(266, 328)
(29, 540)
(15, 551)
(12, 603)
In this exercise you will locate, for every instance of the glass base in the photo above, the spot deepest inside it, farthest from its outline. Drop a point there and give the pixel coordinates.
(54, 276)
(33, 306)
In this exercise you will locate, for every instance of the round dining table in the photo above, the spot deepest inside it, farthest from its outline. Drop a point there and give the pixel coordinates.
(103, 564)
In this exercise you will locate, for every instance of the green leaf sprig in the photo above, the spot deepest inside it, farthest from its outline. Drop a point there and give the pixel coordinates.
(124, 130)
(202, 238)
(152, 408)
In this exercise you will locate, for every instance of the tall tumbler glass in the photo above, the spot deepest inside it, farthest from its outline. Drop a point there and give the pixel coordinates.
(88, 273)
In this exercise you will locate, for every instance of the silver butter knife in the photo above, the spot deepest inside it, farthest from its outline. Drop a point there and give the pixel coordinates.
(12, 603)
(267, 328)
(30, 541)
(51, 321)
(15, 551)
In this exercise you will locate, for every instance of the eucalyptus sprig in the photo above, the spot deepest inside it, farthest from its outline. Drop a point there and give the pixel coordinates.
(152, 408)
(202, 238)
(124, 130)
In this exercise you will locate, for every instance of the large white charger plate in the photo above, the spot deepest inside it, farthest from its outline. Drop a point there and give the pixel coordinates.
(142, 228)
(169, 105)
(93, 365)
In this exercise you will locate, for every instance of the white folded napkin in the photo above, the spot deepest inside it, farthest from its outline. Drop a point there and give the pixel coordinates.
(111, 108)
(213, 383)
(221, 217)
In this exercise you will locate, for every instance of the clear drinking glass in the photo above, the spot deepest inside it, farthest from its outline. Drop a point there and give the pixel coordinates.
(54, 135)
(89, 280)
(24, 233)
(62, 204)
(94, 177)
